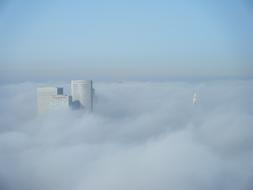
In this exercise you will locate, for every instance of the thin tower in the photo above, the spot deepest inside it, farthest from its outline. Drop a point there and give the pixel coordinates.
(194, 99)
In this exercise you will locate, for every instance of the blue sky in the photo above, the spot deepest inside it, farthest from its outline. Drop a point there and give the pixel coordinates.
(125, 39)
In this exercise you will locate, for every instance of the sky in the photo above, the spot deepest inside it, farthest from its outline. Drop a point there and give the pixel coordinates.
(134, 39)
(141, 135)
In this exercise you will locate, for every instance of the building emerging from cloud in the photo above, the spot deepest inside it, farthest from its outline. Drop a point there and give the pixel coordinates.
(82, 94)
(52, 98)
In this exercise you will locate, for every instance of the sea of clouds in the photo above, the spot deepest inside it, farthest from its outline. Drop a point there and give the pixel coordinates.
(142, 135)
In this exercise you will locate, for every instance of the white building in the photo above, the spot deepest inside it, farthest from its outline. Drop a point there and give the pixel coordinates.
(51, 98)
(82, 94)
(59, 102)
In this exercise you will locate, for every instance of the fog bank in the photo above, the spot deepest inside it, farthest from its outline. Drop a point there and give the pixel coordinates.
(142, 135)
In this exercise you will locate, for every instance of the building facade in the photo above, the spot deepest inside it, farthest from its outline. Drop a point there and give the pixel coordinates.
(59, 102)
(82, 94)
(52, 98)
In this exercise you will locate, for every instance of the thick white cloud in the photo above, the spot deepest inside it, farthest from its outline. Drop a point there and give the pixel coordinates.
(142, 135)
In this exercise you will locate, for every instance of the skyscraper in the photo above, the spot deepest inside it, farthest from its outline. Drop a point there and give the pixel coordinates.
(51, 98)
(82, 94)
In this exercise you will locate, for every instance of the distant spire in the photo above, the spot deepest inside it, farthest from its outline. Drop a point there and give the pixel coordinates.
(194, 99)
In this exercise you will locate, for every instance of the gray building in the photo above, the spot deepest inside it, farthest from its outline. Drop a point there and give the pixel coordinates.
(52, 98)
(82, 94)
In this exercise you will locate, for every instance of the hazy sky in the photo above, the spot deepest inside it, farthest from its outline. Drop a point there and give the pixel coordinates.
(125, 39)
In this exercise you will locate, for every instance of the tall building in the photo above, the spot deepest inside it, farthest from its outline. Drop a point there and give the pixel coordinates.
(52, 98)
(194, 98)
(82, 94)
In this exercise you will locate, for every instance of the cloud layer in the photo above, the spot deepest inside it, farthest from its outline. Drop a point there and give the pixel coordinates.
(142, 135)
